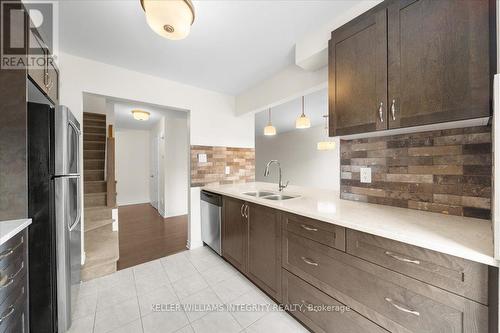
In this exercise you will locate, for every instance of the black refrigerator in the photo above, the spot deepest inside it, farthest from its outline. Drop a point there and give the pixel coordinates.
(41, 209)
(54, 207)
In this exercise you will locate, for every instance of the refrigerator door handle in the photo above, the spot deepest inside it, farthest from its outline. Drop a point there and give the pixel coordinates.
(79, 208)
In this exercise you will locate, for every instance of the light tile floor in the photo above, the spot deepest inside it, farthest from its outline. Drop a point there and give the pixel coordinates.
(122, 302)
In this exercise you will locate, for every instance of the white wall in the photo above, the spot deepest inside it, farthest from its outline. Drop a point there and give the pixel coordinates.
(288, 84)
(176, 166)
(213, 120)
(301, 163)
(132, 166)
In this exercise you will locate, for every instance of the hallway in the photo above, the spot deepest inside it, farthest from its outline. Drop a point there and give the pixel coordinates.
(144, 235)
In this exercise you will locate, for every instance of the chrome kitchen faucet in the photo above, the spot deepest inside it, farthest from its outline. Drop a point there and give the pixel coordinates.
(266, 173)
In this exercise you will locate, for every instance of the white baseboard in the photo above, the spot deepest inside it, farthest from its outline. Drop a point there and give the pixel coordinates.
(193, 245)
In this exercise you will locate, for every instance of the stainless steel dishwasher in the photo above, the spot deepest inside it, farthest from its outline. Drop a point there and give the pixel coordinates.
(211, 212)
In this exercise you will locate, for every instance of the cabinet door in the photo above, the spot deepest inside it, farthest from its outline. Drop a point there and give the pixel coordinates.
(37, 71)
(234, 233)
(264, 249)
(53, 80)
(357, 80)
(439, 61)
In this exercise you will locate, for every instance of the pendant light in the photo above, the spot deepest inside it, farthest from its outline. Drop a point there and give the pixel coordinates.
(303, 121)
(327, 144)
(140, 115)
(269, 129)
(171, 19)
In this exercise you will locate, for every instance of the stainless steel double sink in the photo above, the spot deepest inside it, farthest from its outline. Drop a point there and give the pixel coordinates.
(270, 195)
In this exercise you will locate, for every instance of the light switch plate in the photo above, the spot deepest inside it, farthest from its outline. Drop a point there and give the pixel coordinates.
(202, 158)
(228, 170)
(365, 175)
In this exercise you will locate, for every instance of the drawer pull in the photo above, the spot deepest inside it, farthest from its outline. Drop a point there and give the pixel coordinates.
(5, 316)
(309, 261)
(8, 252)
(12, 277)
(395, 256)
(305, 227)
(400, 308)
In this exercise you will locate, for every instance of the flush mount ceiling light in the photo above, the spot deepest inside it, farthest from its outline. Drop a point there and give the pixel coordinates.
(326, 145)
(171, 19)
(269, 129)
(303, 121)
(140, 115)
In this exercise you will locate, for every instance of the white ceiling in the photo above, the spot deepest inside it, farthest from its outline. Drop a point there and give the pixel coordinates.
(125, 120)
(284, 115)
(232, 46)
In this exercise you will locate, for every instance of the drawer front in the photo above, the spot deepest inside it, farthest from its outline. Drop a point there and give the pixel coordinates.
(12, 250)
(10, 277)
(322, 232)
(392, 300)
(298, 292)
(13, 310)
(457, 275)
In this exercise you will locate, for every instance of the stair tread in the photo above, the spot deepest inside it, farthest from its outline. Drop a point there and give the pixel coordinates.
(96, 208)
(101, 246)
(94, 224)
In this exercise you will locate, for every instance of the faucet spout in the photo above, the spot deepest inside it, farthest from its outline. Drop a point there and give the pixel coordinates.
(266, 173)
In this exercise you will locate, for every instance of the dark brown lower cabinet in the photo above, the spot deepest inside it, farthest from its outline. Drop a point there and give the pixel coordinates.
(264, 249)
(320, 312)
(334, 279)
(393, 301)
(234, 233)
(251, 241)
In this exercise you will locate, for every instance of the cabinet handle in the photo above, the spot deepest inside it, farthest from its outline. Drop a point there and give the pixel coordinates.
(246, 211)
(381, 112)
(397, 257)
(241, 210)
(5, 316)
(305, 227)
(307, 305)
(309, 261)
(9, 251)
(393, 109)
(400, 308)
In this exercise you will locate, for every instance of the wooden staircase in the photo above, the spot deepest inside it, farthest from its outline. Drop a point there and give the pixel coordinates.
(101, 242)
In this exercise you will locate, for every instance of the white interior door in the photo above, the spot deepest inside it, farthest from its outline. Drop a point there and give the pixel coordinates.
(153, 180)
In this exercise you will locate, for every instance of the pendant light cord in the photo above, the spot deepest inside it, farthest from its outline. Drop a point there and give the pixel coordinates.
(303, 115)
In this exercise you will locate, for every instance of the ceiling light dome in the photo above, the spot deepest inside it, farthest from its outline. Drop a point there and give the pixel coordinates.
(140, 115)
(171, 19)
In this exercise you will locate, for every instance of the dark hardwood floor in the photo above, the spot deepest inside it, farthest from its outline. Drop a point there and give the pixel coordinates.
(144, 235)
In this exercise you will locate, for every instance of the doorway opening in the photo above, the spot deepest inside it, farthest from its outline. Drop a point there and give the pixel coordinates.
(151, 167)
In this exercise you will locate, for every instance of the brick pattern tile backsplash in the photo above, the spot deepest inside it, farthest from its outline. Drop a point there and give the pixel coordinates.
(446, 171)
(241, 162)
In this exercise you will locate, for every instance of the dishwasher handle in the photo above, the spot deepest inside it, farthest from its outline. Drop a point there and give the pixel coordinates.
(214, 199)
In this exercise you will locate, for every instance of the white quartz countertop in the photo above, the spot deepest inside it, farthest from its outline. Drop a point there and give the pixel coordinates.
(468, 238)
(9, 229)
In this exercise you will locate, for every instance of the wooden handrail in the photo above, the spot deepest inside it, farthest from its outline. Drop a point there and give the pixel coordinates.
(110, 168)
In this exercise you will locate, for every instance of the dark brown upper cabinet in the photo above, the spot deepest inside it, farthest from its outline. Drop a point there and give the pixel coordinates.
(426, 61)
(358, 76)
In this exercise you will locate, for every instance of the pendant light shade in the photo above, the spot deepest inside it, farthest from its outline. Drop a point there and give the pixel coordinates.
(171, 19)
(140, 115)
(328, 144)
(303, 121)
(269, 129)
